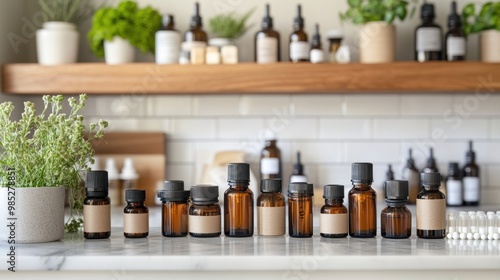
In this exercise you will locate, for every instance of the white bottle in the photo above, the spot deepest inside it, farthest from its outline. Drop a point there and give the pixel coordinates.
(114, 192)
(168, 42)
(128, 176)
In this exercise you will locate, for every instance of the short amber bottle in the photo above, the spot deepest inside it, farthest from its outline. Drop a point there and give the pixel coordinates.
(238, 202)
(300, 209)
(97, 206)
(396, 218)
(204, 211)
(174, 209)
(362, 202)
(271, 208)
(431, 208)
(135, 215)
(334, 219)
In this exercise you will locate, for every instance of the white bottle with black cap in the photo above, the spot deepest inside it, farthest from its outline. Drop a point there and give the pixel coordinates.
(167, 42)
(299, 46)
(317, 55)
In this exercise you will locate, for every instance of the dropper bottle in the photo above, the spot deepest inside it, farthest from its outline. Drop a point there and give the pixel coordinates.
(471, 181)
(411, 174)
(298, 172)
(299, 48)
(267, 41)
(455, 45)
(317, 55)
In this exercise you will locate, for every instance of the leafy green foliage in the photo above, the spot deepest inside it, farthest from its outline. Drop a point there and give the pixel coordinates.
(488, 17)
(72, 11)
(48, 149)
(363, 11)
(230, 25)
(127, 21)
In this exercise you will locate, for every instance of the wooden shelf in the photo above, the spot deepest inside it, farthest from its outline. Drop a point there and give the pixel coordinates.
(149, 78)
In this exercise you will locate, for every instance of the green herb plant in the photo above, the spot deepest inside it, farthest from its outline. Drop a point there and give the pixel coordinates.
(487, 19)
(138, 26)
(230, 25)
(364, 11)
(73, 11)
(49, 149)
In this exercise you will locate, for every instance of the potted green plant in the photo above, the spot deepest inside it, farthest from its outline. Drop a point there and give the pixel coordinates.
(116, 31)
(228, 27)
(57, 40)
(377, 39)
(41, 155)
(487, 23)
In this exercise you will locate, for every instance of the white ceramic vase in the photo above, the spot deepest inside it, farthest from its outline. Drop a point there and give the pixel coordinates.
(118, 51)
(39, 214)
(57, 43)
(377, 42)
(490, 46)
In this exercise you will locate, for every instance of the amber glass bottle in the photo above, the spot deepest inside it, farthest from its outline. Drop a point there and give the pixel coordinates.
(270, 160)
(196, 32)
(428, 36)
(135, 215)
(396, 218)
(333, 218)
(174, 209)
(271, 208)
(455, 44)
(411, 174)
(300, 209)
(267, 41)
(299, 48)
(472, 183)
(316, 54)
(238, 202)
(204, 212)
(362, 202)
(431, 208)
(97, 206)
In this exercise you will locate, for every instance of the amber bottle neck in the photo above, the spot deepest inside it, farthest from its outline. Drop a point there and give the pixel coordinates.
(239, 185)
(135, 204)
(336, 201)
(362, 185)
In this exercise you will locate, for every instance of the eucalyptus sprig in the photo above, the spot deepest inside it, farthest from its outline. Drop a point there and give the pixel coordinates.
(230, 25)
(49, 149)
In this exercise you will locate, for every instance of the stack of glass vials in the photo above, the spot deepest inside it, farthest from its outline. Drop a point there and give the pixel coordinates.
(473, 225)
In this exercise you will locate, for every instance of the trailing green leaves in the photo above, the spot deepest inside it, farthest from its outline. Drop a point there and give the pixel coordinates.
(487, 18)
(363, 11)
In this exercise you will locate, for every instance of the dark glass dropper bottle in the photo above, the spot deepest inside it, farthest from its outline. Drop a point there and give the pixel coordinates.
(455, 44)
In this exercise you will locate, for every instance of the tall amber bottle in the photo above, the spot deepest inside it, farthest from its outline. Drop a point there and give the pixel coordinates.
(267, 41)
(300, 209)
(333, 218)
(195, 37)
(174, 209)
(299, 47)
(238, 202)
(395, 219)
(97, 206)
(431, 208)
(454, 41)
(270, 160)
(362, 202)
(271, 208)
(411, 174)
(472, 182)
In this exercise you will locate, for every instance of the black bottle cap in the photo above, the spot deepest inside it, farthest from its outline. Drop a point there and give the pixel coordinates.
(396, 191)
(362, 172)
(166, 195)
(270, 185)
(316, 38)
(389, 175)
(410, 163)
(470, 155)
(196, 18)
(205, 193)
(454, 18)
(166, 20)
(135, 195)
(238, 172)
(431, 179)
(97, 183)
(431, 161)
(299, 20)
(267, 21)
(333, 192)
(173, 185)
(453, 169)
(427, 11)
(301, 188)
(298, 168)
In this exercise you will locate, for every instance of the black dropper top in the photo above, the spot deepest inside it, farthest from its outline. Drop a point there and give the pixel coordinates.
(427, 12)
(267, 21)
(454, 18)
(299, 20)
(168, 22)
(389, 175)
(431, 161)
(453, 169)
(470, 156)
(196, 18)
(316, 38)
(410, 163)
(298, 168)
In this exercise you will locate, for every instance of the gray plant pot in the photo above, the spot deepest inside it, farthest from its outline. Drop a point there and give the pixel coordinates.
(39, 213)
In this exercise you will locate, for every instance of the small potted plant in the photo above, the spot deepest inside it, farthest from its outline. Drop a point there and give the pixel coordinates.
(41, 155)
(57, 41)
(487, 23)
(228, 27)
(377, 39)
(116, 31)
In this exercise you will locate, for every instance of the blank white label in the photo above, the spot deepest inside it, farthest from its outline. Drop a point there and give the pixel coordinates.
(299, 50)
(454, 192)
(471, 189)
(168, 44)
(267, 50)
(455, 46)
(429, 39)
(269, 166)
(317, 56)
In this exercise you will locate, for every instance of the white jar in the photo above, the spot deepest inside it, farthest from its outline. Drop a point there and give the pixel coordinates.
(57, 43)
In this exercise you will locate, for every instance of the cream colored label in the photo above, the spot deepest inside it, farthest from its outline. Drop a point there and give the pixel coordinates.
(96, 218)
(333, 223)
(136, 223)
(267, 50)
(204, 224)
(271, 220)
(431, 214)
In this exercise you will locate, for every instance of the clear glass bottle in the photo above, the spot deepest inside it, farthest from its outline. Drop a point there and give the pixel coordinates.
(411, 174)
(300, 209)
(492, 224)
(97, 206)
(204, 211)
(428, 36)
(463, 224)
(135, 215)
(451, 224)
(270, 160)
(473, 222)
(396, 218)
(431, 208)
(299, 46)
(271, 208)
(454, 42)
(267, 41)
(362, 202)
(482, 225)
(471, 181)
(333, 219)
(454, 187)
(238, 202)
(174, 209)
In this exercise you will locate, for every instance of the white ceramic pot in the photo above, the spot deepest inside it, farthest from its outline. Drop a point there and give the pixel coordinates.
(377, 42)
(220, 42)
(118, 51)
(57, 43)
(39, 213)
(490, 46)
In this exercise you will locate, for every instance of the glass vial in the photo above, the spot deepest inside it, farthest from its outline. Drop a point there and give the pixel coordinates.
(454, 187)
(411, 174)
(431, 208)
(135, 215)
(300, 209)
(271, 208)
(270, 160)
(471, 181)
(298, 172)
(455, 44)
(204, 211)
(428, 36)
(362, 202)
(267, 41)
(299, 47)
(335, 37)
(97, 206)
(238, 202)
(396, 218)
(333, 219)
(174, 209)
(451, 224)
(167, 42)
(316, 54)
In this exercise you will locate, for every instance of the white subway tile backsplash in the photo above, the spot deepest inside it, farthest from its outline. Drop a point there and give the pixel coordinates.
(192, 129)
(124, 106)
(425, 104)
(182, 172)
(267, 105)
(495, 128)
(490, 197)
(294, 129)
(476, 104)
(493, 176)
(171, 105)
(314, 152)
(239, 128)
(317, 105)
(133, 124)
(372, 152)
(460, 128)
(487, 152)
(371, 105)
(335, 174)
(216, 105)
(400, 128)
(345, 128)
(180, 152)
